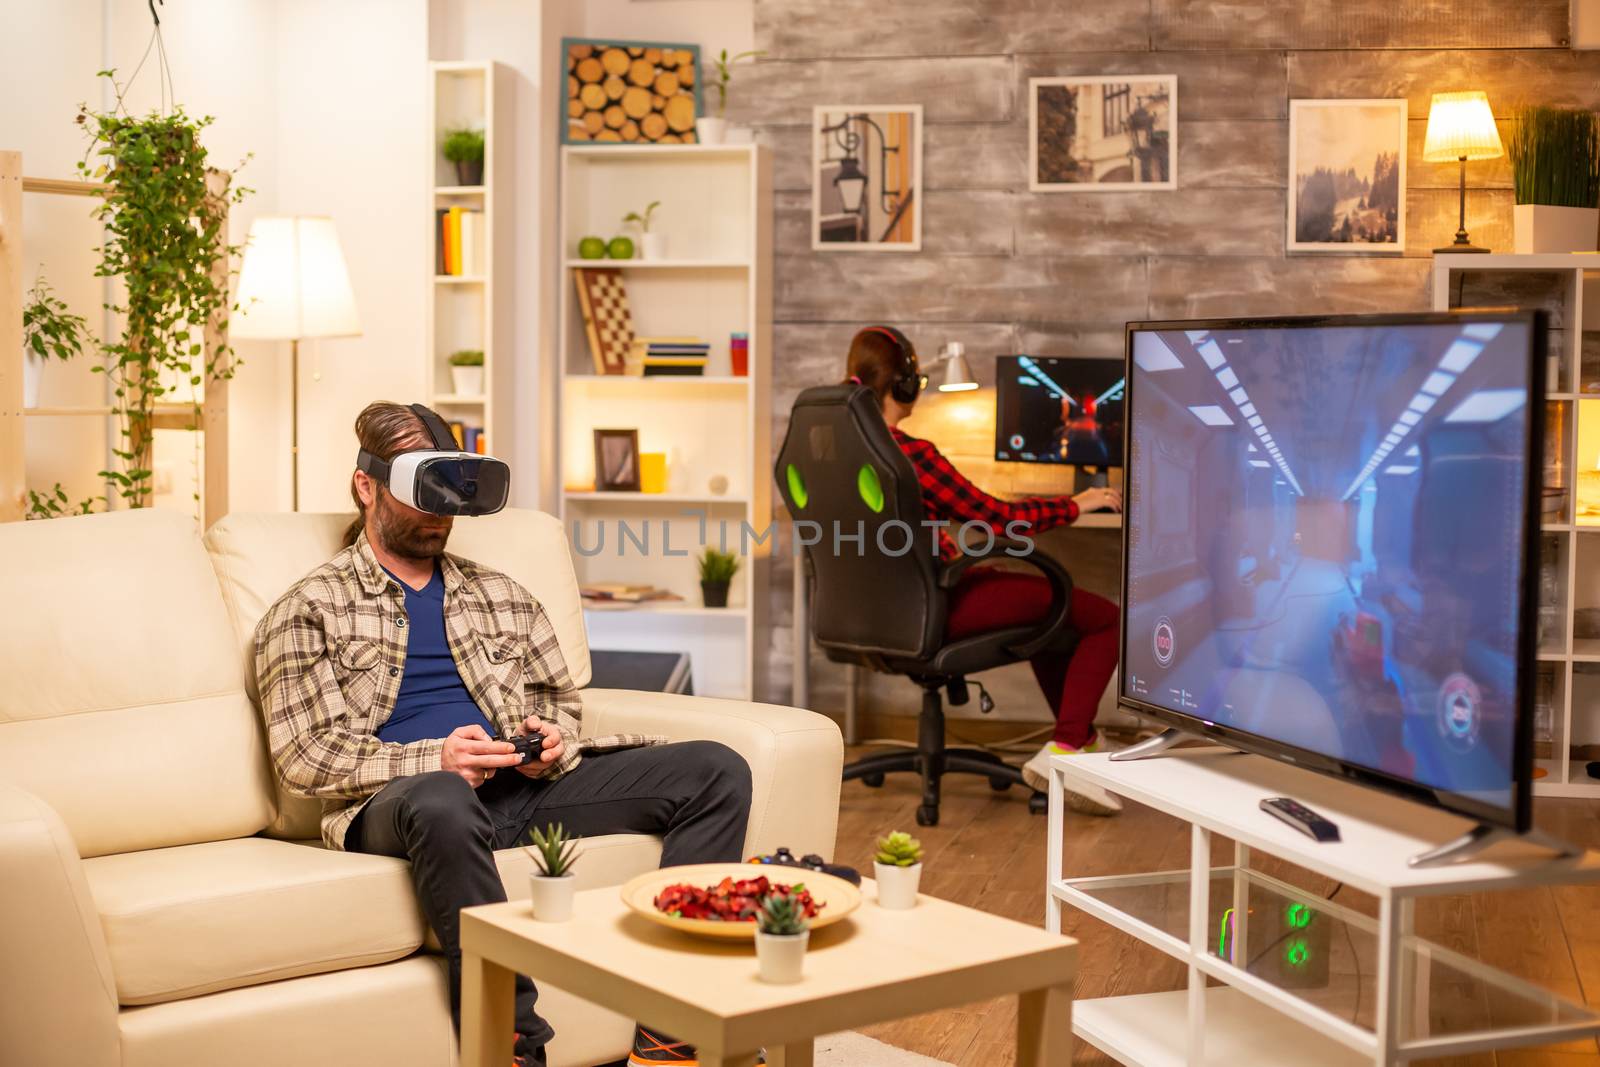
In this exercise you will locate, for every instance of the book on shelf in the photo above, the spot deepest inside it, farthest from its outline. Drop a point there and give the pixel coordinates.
(469, 438)
(623, 593)
(658, 356)
(459, 249)
(471, 223)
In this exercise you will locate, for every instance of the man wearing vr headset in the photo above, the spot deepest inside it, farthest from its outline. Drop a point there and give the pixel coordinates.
(393, 675)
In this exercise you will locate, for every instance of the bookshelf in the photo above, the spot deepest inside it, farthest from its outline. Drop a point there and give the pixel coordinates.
(716, 215)
(1567, 693)
(465, 310)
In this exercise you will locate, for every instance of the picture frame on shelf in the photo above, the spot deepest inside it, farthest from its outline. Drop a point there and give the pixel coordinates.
(1103, 133)
(616, 461)
(866, 178)
(1347, 176)
(630, 92)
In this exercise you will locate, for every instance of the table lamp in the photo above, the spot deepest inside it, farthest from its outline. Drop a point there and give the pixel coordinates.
(1461, 127)
(293, 286)
(957, 374)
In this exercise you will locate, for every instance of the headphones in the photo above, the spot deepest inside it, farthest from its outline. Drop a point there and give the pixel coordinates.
(909, 381)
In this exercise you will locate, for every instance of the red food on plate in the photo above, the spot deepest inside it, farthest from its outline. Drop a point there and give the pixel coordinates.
(730, 900)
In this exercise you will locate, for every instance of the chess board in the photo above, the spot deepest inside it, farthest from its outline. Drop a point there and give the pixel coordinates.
(606, 319)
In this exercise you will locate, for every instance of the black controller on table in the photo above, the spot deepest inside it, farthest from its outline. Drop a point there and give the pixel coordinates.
(810, 862)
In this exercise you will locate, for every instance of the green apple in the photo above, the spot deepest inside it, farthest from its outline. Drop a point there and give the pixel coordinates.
(620, 248)
(592, 248)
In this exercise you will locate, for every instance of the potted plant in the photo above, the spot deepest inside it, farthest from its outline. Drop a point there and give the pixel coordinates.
(552, 884)
(654, 245)
(716, 572)
(782, 932)
(165, 213)
(1555, 163)
(714, 129)
(463, 146)
(466, 372)
(49, 331)
(897, 866)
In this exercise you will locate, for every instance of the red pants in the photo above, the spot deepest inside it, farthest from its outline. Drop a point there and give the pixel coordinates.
(988, 598)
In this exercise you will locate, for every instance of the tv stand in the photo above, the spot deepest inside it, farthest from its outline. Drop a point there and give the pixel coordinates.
(1252, 940)
(1151, 746)
(1481, 837)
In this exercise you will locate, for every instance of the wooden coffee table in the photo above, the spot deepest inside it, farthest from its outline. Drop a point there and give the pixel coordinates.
(874, 966)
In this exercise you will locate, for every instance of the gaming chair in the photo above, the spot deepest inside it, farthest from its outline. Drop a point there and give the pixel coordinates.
(877, 606)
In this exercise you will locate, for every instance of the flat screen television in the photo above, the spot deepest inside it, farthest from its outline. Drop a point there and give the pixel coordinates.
(1329, 545)
(1051, 409)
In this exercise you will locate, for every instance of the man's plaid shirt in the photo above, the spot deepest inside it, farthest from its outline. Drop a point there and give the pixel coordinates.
(949, 496)
(330, 655)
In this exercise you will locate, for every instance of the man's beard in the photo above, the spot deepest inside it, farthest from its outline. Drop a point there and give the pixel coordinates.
(409, 533)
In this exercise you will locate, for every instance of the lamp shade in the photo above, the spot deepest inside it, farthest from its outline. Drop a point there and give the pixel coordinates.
(293, 284)
(1461, 126)
(957, 374)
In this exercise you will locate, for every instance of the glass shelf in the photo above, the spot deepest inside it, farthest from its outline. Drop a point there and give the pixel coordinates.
(1325, 955)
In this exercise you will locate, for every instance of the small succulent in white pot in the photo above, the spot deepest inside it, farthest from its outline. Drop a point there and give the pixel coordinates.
(552, 884)
(897, 867)
(782, 933)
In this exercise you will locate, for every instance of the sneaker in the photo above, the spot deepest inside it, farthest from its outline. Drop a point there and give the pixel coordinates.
(653, 1050)
(1082, 797)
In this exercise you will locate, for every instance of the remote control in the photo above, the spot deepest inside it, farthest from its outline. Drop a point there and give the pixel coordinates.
(1301, 818)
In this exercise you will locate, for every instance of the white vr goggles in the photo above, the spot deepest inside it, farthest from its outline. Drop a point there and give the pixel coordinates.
(442, 480)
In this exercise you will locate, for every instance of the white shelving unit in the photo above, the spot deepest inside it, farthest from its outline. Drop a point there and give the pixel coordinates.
(716, 215)
(1291, 963)
(465, 311)
(1565, 284)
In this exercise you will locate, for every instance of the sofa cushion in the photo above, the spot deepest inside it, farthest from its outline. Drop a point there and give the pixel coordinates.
(184, 921)
(123, 703)
(259, 556)
(195, 919)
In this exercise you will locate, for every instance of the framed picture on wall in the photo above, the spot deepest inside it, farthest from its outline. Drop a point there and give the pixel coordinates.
(866, 178)
(616, 461)
(1106, 133)
(1347, 176)
(630, 92)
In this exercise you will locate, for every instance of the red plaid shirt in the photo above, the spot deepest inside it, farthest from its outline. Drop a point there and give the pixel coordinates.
(948, 496)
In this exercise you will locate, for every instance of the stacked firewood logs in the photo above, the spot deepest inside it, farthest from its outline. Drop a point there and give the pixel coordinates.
(637, 94)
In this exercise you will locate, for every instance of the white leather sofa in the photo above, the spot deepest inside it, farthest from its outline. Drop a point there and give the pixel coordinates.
(163, 904)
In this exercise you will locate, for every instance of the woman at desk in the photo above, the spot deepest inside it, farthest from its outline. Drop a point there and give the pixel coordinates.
(987, 598)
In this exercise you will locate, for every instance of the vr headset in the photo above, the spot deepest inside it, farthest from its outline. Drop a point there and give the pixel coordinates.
(442, 480)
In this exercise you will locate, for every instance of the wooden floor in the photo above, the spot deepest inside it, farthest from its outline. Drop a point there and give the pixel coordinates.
(989, 853)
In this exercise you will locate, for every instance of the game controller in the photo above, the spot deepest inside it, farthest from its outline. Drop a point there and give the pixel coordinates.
(528, 746)
(809, 862)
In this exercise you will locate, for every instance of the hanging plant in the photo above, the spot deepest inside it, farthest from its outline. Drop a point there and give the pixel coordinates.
(165, 240)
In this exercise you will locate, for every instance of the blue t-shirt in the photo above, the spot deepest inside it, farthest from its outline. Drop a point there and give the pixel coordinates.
(433, 699)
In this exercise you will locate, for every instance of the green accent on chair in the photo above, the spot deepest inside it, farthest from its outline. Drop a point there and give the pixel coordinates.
(797, 486)
(870, 488)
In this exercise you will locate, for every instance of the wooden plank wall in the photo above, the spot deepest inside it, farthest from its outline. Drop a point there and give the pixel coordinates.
(1003, 269)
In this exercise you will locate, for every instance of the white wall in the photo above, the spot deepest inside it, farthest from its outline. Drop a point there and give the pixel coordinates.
(352, 134)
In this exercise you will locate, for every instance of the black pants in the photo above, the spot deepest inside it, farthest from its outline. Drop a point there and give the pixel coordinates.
(695, 795)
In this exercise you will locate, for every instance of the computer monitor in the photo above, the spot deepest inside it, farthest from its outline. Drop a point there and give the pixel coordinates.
(1059, 410)
(1329, 544)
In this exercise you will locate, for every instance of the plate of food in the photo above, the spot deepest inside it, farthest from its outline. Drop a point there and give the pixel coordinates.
(721, 899)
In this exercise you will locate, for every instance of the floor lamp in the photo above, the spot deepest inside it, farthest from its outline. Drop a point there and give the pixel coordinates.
(293, 286)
